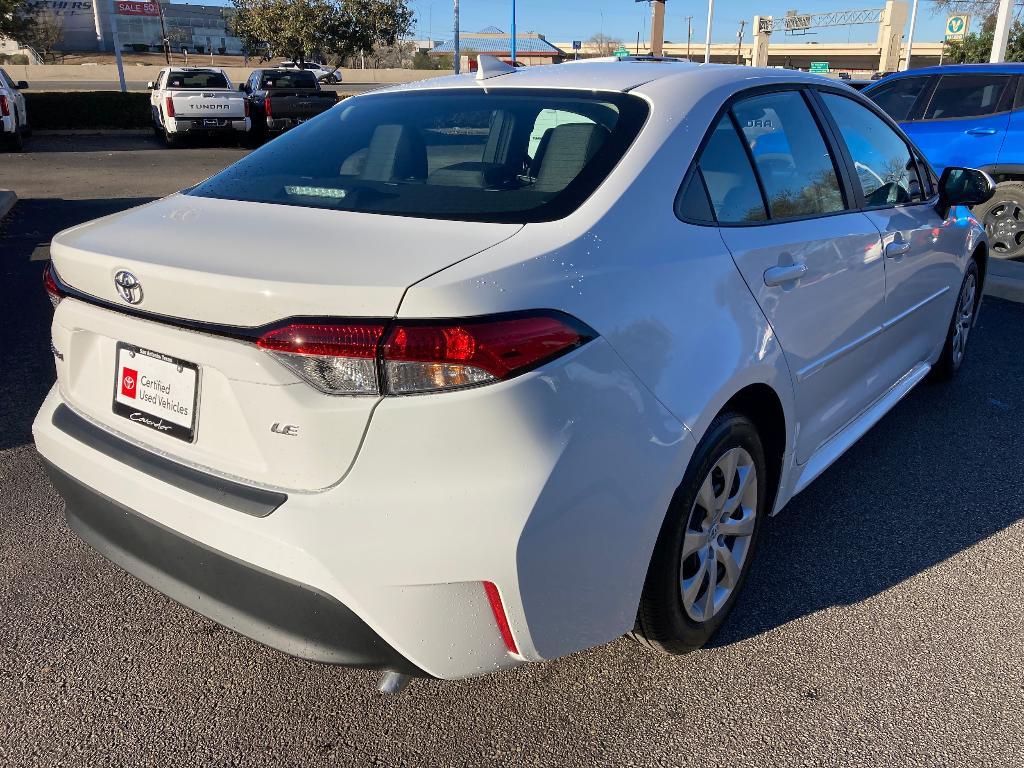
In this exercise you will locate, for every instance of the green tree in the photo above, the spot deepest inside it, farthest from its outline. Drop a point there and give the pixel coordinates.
(17, 21)
(300, 29)
(976, 47)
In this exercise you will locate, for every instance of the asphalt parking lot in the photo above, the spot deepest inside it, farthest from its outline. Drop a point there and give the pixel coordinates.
(881, 624)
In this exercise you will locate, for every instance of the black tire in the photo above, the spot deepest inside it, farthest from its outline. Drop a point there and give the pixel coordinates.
(663, 623)
(171, 140)
(1003, 219)
(16, 141)
(949, 362)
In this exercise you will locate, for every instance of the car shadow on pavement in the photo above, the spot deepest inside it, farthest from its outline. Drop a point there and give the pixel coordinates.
(28, 373)
(129, 141)
(938, 474)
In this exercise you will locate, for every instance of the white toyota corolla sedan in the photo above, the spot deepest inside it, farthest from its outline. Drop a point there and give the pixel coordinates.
(489, 369)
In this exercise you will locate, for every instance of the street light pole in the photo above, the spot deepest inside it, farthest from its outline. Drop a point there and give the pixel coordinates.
(513, 46)
(707, 40)
(910, 35)
(1004, 20)
(458, 52)
(689, 35)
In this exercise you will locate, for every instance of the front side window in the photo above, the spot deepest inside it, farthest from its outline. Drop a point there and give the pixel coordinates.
(795, 167)
(457, 154)
(966, 96)
(898, 96)
(196, 80)
(886, 170)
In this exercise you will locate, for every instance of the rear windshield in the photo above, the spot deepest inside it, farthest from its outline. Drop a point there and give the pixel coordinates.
(198, 80)
(504, 156)
(300, 79)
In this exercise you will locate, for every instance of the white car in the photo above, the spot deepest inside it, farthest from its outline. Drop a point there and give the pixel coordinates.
(189, 101)
(406, 390)
(13, 113)
(324, 73)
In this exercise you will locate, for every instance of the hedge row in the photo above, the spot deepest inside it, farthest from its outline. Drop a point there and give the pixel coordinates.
(87, 109)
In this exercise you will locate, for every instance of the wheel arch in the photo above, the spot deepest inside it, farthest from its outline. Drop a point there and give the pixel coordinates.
(761, 404)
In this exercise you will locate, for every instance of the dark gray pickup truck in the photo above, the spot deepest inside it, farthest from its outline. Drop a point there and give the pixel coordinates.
(280, 99)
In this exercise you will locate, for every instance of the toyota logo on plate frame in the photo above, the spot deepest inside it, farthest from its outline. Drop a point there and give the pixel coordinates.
(128, 286)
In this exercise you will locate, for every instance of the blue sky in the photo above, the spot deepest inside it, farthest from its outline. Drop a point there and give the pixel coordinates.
(563, 20)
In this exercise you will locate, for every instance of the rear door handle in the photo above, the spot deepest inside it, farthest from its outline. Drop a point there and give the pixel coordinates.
(896, 249)
(784, 274)
(981, 131)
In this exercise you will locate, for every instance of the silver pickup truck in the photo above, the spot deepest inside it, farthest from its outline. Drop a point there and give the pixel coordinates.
(196, 100)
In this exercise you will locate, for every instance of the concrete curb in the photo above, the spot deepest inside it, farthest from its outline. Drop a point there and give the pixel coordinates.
(1005, 280)
(96, 132)
(7, 201)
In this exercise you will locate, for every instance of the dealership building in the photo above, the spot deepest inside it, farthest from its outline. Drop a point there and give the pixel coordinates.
(86, 25)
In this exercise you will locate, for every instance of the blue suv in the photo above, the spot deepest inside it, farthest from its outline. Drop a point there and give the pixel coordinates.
(968, 115)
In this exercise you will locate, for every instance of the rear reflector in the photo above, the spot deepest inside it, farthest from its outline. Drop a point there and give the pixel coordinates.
(50, 284)
(494, 598)
(419, 357)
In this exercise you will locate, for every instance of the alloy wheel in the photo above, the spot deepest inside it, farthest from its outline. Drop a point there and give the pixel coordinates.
(1005, 227)
(964, 318)
(718, 535)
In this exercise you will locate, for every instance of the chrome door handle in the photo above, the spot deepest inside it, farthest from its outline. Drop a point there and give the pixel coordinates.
(980, 131)
(784, 274)
(897, 248)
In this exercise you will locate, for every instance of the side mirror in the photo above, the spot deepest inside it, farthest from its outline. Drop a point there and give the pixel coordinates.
(964, 186)
(21, 85)
(151, 85)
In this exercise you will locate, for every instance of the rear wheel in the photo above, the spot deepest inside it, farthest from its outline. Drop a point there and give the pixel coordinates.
(707, 541)
(16, 141)
(1003, 217)
(964, 313)
(170, 139)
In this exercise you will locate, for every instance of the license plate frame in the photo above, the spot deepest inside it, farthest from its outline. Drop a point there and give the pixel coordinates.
(148, 416)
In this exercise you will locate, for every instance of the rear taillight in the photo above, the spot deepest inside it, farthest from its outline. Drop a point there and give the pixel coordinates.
(52, 287)
(266, 107)
(348, 358)
(339, 359)
(169, 107)
(5, 106)
(246, 103)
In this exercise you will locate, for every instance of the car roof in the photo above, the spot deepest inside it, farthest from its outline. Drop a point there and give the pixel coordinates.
(1005, 68)
(610, 75)
(196, 69)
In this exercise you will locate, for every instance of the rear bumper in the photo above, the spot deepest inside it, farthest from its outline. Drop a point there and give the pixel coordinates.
(201, 126)
(284, 123)
(553, 486)
(294, 618)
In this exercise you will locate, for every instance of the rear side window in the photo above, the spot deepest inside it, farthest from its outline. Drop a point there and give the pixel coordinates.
(731, 183)
(898, 96)
(966, 96)
(795, 167)
(510, 155)
(197, 80)
(886, 170)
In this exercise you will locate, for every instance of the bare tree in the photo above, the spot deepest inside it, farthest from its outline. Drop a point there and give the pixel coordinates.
(603, 45)
(47, 33)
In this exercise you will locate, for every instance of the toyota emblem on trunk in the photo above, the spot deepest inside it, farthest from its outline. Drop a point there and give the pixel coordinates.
(128, 286)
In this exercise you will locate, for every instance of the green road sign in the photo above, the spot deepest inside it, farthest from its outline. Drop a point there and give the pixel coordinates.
(819, 67)
(621, 52)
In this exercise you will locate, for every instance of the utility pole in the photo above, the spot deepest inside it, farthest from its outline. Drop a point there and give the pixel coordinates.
(513, 48)
(658, 27)
(458, 51)
(689, 35)
(163, 34)
(739, 41)
(117, 45)
(1004, 20)
(910, 36)
(707, 40)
